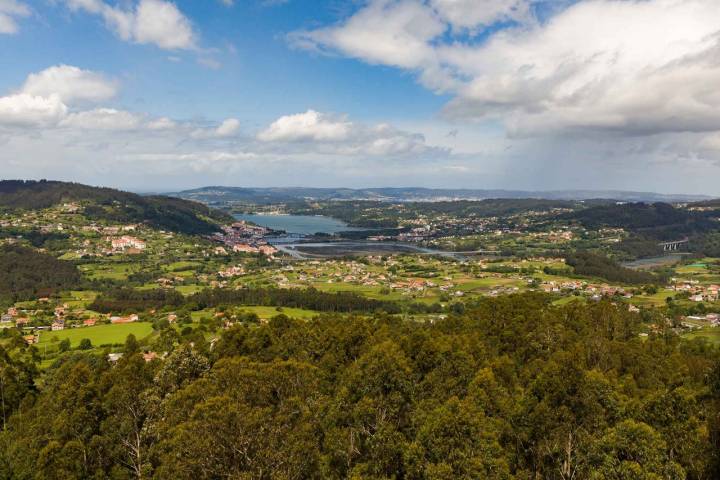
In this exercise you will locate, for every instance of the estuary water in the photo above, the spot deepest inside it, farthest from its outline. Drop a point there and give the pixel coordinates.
(307, 225)
(298, 224)
(654, 262)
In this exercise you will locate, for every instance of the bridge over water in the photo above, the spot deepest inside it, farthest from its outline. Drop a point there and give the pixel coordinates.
(673, 245)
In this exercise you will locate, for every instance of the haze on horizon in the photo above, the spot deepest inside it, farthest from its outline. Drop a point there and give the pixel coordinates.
(487, 94)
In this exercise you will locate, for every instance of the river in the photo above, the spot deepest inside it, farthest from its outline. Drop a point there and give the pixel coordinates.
(654, 262)
(298, 224)
(307, 225)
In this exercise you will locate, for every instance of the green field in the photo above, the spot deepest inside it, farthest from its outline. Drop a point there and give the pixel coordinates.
(569, 299)
(712, 334)
(100, 334)
(269, 312)
(109, 271)
(262, 312)
(655, 300)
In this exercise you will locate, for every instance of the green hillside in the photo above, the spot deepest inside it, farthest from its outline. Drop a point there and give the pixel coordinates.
(174, 214)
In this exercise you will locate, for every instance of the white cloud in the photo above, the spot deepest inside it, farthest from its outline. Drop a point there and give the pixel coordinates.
(10, 11)
(386, 32)
(468, 14)
(29, 110)
(45, 97)
(310, 125)
(318, 132)
(51, 98)
(638, 67)
(102, 119)
(70, 84)
(228, 128)
(163, 24)
(156, 22)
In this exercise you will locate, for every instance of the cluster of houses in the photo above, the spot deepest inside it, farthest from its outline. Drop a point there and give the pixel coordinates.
(12, 318)
(15, 318)
(356, 273)
(554, 236)
(127, 244)
(417, 234)
(19, 319)
(265, 249)
(697, 292)
(243, 237)
(595, 290)
(230, 272)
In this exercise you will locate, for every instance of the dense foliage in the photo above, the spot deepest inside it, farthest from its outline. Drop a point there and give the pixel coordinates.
(35, 237)
(113, 205)
(512, 389)
(597, 265)
(659, 221)
(27, 274)
(130, 300)
(637, 246)
(708, 245)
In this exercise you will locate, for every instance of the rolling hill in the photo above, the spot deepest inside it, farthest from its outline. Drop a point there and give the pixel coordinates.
(167, 213)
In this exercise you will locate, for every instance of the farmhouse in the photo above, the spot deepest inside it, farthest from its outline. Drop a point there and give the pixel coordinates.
(128, 319)
(127, 242)
(244, 248)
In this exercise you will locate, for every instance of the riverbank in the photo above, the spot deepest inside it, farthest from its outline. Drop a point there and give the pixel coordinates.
(655, 262)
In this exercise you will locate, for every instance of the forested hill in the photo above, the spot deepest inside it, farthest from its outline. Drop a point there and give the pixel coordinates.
(512, 389)
(167, 213)
(656, 220)
(26, 274)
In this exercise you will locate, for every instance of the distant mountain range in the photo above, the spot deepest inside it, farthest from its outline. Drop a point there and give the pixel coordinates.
(220, 195)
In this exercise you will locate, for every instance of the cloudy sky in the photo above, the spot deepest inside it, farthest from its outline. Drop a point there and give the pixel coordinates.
(520, 94)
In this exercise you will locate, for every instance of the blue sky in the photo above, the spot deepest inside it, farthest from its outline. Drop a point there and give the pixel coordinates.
(260, 78)
(521, 94)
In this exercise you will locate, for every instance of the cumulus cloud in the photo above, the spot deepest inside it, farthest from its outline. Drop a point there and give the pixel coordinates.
(310, 125)
(55, 97)
(46, 97)
(29, 110)
(70, 84)
(396, 33)
(638, 67)
(10, 11)
(335, 134)
(156, 22)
